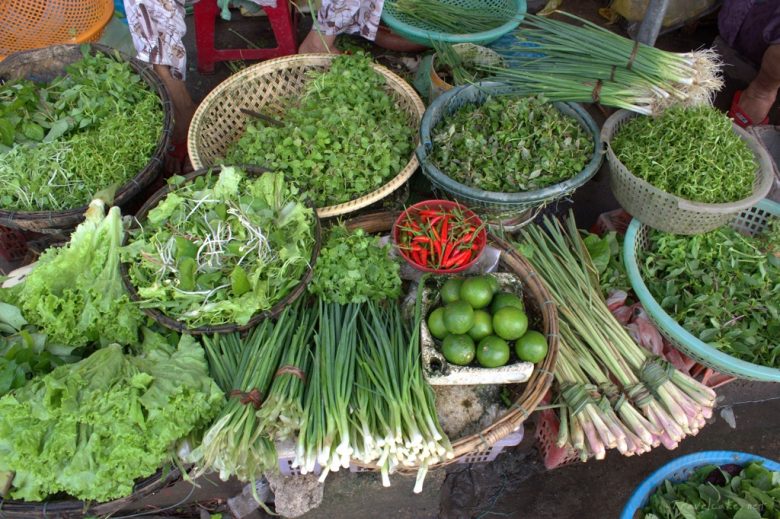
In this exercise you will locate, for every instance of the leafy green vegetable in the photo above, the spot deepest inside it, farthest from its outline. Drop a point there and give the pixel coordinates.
(354, 268)
(722, 287)
(96, 126)
(510, 144)
(343, 138)
(607, 255)
(716, 493)
(692, 153)
(222, 248)
(25, 352)
(91, 428)
(75, 293)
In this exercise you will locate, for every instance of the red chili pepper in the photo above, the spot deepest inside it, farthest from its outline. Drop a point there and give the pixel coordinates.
(424, 257)
(444, 228)
(421, 239)
(458, 259)
(437, 247)
(447, 254)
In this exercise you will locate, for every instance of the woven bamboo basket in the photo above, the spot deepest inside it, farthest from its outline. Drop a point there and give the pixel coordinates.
(272, 313)
(45, 64)
(526, 396)
(73, 509)
(265, 87)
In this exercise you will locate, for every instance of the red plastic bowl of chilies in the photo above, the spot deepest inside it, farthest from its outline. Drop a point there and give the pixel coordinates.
(439, 236)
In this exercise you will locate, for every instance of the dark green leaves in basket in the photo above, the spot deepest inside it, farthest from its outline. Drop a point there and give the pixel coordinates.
(727, 492)
(510, 144)
(354, 268)
(344, 138)
(722, 287)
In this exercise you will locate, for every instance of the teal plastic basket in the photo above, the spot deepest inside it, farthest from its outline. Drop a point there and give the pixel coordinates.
(749, 221)
(492, 204)
(681, 469)
(414, 31)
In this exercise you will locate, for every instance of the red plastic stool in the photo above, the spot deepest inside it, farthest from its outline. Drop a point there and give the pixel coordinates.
(206, 12)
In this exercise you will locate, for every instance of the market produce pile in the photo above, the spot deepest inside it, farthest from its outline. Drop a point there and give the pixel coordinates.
(221, 248)
(62, 142)
(615, 394)
(343, 138)
(721, 286)
(693, 153)
(510, 144)
(584, 62)
(92, 428)
(478, 320)
(726, 492)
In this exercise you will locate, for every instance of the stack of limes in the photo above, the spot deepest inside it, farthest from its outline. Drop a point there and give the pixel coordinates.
(479, 320)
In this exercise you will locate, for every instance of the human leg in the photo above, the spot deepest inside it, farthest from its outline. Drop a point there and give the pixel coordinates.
(757, 99)
(342, 16)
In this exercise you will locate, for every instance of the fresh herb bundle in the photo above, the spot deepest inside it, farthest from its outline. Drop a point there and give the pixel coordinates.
(721, 286)
(353, 268)
(344, 138)
(711, 492)
(218, 250)
(510, 144)
(61, 143)
(692, 153)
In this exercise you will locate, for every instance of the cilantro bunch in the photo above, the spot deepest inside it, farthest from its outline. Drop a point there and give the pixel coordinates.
(344, 138)
(721, 286)
(510, 144)
(353, 268)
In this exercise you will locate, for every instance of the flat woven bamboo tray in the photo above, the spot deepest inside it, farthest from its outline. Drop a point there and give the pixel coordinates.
(265, 88)
(526, 397)
(47, 63)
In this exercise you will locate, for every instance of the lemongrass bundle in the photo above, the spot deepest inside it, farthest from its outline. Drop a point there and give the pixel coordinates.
(650, 404)
(590, 63)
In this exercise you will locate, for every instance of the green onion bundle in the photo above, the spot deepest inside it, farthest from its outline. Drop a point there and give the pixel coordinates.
(244, 369)
(615, 394)
(588, 63)
(324, 434)
(394, 421)
(452, 17)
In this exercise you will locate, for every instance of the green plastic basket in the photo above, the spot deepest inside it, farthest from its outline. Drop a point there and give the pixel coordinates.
(424, 35)
(749, 221)
(489, 204)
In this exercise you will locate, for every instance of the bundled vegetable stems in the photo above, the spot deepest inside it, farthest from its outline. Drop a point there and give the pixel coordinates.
(236, 445)
(366, 398)
(650, 404)
(452, 17)
(588, 63)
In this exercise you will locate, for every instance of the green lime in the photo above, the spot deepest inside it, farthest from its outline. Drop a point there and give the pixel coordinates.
(494, 283)
(450, 290)
(458, 349)
(458, 317)
(492, 352)
(477, 291)
(531, 347)
(510, 323)
(436, 323)
(483, 325)
(506, 299)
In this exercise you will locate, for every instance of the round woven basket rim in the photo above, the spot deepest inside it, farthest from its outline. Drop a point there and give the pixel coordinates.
(276, 309)
(77, 508)
(761, 188)
(425, 36)
(394, 81)
(673, 330)
(524, 198)
(542, 376)
(142, 178)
